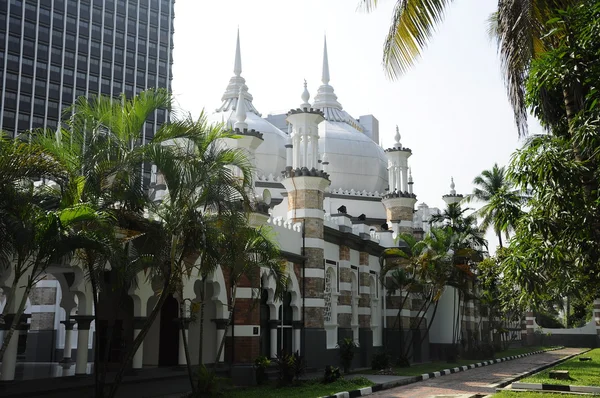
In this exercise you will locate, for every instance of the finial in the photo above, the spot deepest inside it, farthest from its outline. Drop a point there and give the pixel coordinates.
(397, 138)
(305, 97)
(410, 177)
(325, 76)
(240, 112)
(452, 186)
(237, 68)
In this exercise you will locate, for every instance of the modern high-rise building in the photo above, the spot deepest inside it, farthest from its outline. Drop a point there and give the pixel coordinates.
(53, 51)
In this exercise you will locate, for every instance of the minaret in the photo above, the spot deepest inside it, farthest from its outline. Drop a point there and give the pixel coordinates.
(305, 185)
(400, 200)
(231, 95)
(452, 197)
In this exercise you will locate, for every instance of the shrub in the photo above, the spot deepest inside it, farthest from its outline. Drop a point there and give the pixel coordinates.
(285, 368)
(299, 366)
(347, 347)
(208, 383)
(260, 365)
(381, 360)
(331, 374)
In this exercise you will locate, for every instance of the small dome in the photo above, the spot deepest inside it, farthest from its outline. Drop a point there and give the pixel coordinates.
(270, 155)
(355, 160)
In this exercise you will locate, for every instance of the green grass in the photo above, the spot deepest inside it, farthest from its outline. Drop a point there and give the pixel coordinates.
(308, 389)
(581, 373)
(527, 394)
(419, 369)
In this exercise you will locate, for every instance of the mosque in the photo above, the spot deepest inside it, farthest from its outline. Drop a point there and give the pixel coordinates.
(335, 200)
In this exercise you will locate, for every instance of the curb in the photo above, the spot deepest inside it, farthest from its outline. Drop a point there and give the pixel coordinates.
(520, 376)
(425, 376)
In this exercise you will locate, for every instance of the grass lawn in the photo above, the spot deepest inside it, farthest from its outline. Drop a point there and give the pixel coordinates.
(419, 369)
(582, 373)
(527, 394)
(308, 389)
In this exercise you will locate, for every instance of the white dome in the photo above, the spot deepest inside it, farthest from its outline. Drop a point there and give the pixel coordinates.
(270, 155)
(355, 160)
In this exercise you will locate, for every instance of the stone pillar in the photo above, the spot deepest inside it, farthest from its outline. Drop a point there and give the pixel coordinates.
(68, 333)
(83, 336)
(273, 350)
(530, 327)
(399, 209)
(138, 358)
(183, 324)
(297, 327)
(9, 361)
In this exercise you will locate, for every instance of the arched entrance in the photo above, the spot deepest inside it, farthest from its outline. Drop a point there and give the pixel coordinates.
(168, 351)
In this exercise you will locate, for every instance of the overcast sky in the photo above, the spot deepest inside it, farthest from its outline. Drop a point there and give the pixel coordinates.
(451, 108)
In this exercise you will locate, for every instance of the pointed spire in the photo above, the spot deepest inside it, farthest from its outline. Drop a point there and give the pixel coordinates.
(410, 177)
(305, 97)
(237, 68)
(325, 76)
(397, 138)
(452, 186)
(240, 112)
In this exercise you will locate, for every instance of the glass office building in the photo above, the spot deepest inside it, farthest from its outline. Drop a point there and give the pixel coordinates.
(53, 51)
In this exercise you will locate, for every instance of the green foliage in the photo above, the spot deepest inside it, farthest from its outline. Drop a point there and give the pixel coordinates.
(381, 360)
(545, 320)
(585, 373)
(332, 374)
(346, 348)
(290, 367)
(209, 385)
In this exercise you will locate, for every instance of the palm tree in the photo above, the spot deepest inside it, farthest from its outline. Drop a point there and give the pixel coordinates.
(517, 25)
(244, 251)
(502, 206)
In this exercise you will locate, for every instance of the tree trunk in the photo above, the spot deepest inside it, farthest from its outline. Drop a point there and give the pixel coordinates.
(142, 335)
(138, 340)
(222, 345)
(500, 239)
(9, 298)
(94, 284)
(182, 321)
(201, 343)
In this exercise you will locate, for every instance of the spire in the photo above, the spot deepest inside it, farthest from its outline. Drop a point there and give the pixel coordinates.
(325, 75)
(452, 186)
(397, 138)
(410, 177)
(240, 112)
(237, 68)
(305, 97)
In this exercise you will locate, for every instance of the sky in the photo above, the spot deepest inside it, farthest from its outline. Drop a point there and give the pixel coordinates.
(451, 107)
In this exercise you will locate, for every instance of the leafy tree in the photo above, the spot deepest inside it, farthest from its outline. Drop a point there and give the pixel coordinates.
(517, 25)
(555, 250)
(502, 203)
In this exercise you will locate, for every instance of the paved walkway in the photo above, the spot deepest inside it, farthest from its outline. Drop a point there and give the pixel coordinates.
(479, 380)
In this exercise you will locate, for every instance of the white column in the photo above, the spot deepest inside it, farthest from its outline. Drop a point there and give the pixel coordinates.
(138, 358)
(404, 179)
(315, 150)
(297, 340)
(296, 151)
(289, 155)
(83, 336)
(273, 339)
(392, 178)
(220, 334)
(309, 153)
(182, 347)
(9, 361)
(305, 140)
(399, 177)
(67, 349)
